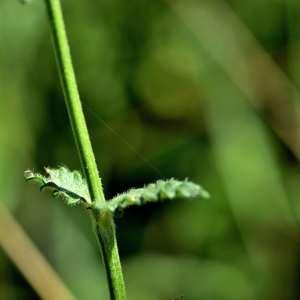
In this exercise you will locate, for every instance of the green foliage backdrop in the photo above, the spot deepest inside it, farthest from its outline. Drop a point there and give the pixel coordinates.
(204, 90)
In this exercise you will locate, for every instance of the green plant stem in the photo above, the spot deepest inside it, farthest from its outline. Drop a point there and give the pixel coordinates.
(72, 100)
(104, 221)
(105, 230)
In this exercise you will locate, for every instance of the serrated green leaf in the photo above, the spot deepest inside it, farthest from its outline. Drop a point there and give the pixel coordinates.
(162, 190)
(67, 185)
(72, 187)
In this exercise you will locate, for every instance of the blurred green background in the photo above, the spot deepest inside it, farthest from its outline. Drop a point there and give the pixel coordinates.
(205, 90)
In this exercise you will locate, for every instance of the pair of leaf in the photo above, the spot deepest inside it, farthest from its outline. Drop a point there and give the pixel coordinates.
(72, 187)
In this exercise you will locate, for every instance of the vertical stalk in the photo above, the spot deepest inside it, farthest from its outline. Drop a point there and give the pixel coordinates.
(105, 230)
(104, 220)
(72, 99)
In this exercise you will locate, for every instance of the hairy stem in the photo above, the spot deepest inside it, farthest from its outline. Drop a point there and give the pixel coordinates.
(104, 221)
(105, 230)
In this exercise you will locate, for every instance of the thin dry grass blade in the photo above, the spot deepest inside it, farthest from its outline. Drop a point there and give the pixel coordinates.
(28, 259)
